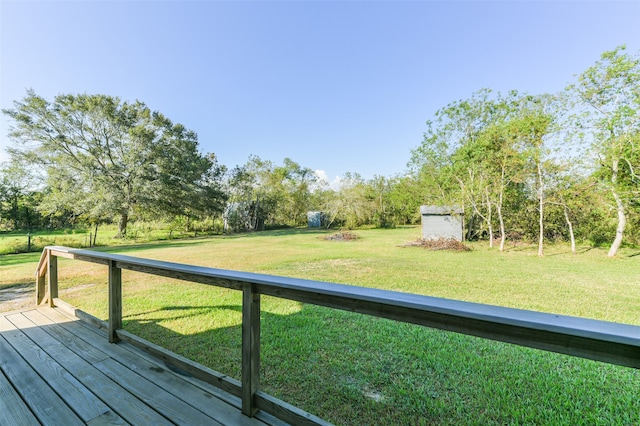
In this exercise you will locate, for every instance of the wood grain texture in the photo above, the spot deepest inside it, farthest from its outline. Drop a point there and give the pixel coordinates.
(13, 409)
(57, 370)
(250, 348)
(107, 390)
(52, 280)
(208, 399)
(41, 399)
(115, 301)
(78, 397)
(62, 338)
(177, 385)
(153, 395)
(224, 382)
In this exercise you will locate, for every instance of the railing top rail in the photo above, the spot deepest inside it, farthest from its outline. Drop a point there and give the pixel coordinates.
(601, 340)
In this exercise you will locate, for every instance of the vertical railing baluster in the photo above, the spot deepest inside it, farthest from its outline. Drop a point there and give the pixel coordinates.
(115, 300)
(250, 348)
(41, 281)
(53, 278)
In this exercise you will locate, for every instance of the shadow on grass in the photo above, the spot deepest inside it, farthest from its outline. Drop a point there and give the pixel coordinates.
(19, 259)
(354, 369)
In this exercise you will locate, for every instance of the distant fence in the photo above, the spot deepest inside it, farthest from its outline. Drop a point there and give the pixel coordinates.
(597, 340)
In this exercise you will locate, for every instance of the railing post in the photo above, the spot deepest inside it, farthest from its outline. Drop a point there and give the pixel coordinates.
(250, 348)
(115, 300)
(41, 282)
(53, 278)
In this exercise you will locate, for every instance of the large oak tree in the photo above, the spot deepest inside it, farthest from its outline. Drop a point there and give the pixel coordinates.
(105, 158)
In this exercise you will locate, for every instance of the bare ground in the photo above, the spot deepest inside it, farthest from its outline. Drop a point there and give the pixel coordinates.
(17, 297)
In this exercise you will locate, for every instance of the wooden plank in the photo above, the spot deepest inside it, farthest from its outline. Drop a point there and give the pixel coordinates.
(250, 348)
(52, 280)
(115, 301)
(89, 352)
(77, 396)
(114, 396)
(287, 412)
(224, 382)
(41, 272)
(43, 402)
(183, 389)
(75, 314)
(41, 288)
(13, 410)
(226, 410)
(41, 268)
(156, 397)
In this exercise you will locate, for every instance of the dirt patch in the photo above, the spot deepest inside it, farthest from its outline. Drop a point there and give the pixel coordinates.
(439, 244)
(17, 297)
(342, 236)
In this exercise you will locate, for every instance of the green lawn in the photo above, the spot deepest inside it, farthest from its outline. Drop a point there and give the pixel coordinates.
(353, 369)
(18, 241)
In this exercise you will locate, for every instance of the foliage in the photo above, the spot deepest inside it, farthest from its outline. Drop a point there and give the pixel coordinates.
(480, 153)
(103, 157)
(608, 95)
(19, 198)
(263, 194)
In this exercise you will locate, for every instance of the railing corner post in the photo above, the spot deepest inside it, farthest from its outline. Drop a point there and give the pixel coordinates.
(53, 278)
(250, 348)
(41, 279)
(115, 301)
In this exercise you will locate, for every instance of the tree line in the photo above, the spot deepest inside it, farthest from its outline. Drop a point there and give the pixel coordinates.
(538, 167)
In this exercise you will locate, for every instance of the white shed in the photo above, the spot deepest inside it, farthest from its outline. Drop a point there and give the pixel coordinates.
(441, 222)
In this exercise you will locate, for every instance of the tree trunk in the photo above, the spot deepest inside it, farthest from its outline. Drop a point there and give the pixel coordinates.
(570, 225)
(15, 212)
(541, 212)
(122, 224)
(622, 219)
(503, 237)
(489, 219)
(490, 228)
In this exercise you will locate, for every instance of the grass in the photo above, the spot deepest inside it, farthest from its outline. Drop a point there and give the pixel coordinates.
(16, 242)
(353, 369)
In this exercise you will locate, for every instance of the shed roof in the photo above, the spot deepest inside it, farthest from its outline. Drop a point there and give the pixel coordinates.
(441, 210)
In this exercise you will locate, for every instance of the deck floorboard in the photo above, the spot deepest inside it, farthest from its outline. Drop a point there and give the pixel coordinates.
(58, 370)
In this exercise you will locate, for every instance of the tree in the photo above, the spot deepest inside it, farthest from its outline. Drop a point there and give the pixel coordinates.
(529, 128)
(404, 200)
(18, 195)
(609, 93)
(350, 206)
(440, 162)
(104, 157)
(263, 193)
(471, 156)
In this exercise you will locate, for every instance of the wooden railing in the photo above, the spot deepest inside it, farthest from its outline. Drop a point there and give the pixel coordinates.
(597, 340)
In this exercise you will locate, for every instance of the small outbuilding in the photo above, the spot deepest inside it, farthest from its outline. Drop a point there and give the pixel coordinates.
(441, 222)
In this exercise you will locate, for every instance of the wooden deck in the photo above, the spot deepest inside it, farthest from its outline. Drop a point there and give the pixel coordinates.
(58, 370)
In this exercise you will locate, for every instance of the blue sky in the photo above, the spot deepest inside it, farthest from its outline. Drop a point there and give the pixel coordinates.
(336, 86)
